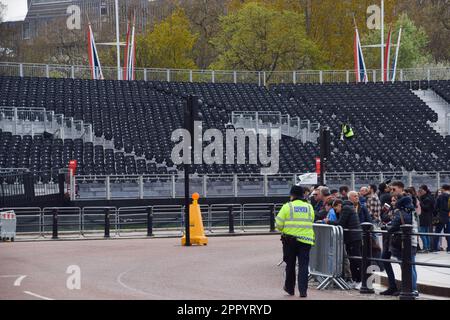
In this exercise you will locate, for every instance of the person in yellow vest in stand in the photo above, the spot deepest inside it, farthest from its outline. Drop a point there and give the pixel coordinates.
(347, 132)
(295, 222)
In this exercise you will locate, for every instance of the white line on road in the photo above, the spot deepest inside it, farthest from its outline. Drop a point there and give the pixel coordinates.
(37, 295)
(19, 281)
(10, 275)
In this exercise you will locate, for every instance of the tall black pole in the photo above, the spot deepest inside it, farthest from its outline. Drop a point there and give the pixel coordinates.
(324, 152)
(189, 119)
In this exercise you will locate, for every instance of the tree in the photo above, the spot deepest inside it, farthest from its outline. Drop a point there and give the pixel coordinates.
(257, 37)
(434, 17)
(168, 45)
(204, 16)
(413, 48)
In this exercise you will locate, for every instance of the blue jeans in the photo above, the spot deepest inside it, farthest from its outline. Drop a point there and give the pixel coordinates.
(439, 228)
(389, 271)
(425, 239)
(414, 272)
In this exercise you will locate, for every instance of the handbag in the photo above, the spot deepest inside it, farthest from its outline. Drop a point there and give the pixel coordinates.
(435, 220)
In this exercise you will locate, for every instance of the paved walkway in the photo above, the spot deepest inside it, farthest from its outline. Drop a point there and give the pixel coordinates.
(429, 276)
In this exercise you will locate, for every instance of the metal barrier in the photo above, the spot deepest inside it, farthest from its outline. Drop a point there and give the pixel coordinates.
(66, 221)
(262, 78)
(327, 256)
(29, 224)
(255, 215)
(93, 220)
(132, 219)
(225, 215)
(406, 263)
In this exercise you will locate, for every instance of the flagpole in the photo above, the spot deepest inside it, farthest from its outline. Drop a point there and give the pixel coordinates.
(117, 40)
(382, 40)
(396, 54)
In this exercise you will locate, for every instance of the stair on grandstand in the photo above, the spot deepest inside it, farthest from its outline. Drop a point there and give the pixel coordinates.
(268, 121)
(37, 121)
(440, 106)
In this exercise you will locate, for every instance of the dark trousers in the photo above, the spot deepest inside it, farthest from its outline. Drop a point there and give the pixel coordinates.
(354, 249)
(388, 267)
(439, 228)
(294, 250)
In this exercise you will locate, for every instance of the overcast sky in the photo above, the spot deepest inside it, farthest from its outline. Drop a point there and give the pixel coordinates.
(16, 9)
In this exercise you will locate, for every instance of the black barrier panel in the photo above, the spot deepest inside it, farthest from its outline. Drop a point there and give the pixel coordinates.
(93, 219)
(131, 219)
(257, 215)
(28, 224)
(68, 219)
(220, 215)
(168, 217)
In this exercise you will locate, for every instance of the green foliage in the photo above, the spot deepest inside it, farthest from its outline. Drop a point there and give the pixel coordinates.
(257, 37)
(168, 45)
(413, 48)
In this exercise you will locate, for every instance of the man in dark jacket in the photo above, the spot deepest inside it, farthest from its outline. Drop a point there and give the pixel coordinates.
(348, 219)
(363, 213)
(442, 212)
(426, 216)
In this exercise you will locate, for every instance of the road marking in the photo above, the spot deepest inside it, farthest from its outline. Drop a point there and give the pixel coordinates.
(19, 281)
(10, 276)
(119, 281)
(37, 295)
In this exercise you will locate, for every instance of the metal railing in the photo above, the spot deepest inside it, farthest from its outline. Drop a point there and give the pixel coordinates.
(160, 220)
(406, 292)
(232, 185)
(262, 78)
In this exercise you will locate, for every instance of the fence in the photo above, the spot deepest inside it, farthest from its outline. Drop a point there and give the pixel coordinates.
(327, 256)
(22, 187)
(231, 185)
(88, 222)
(262, 78)
(406, 262)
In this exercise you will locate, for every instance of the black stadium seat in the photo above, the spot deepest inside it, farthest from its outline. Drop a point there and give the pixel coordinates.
(138, 118)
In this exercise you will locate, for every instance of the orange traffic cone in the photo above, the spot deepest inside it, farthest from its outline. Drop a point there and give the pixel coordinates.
(197, 233)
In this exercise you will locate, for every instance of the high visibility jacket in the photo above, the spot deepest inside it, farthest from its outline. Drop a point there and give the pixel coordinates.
(348, 131)
(296, 219)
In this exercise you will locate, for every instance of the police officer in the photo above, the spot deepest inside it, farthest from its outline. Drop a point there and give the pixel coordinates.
(295, 222)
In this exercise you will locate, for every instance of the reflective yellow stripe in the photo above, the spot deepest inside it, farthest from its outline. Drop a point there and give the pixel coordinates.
(297, 226)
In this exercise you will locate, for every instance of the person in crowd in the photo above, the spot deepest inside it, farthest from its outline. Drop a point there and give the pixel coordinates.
(425, 220)
(363, 192)
(343, 191)
(295, 222)
(334, 193)
(442, 214)
(363, 213)
(373, 203)
(348, 219)
(384, 193)
(325, 196)
(331, 213)
(411, 191)
(405, 214)
(387, 213)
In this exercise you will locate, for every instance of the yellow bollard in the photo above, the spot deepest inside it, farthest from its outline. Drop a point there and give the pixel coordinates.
(195, 224)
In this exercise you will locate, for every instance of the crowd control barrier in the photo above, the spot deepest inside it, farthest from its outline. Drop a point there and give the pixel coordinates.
(327, 256)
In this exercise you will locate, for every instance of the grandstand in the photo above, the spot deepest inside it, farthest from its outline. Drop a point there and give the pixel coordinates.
(122, 130)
